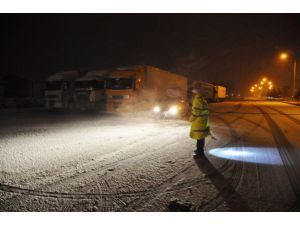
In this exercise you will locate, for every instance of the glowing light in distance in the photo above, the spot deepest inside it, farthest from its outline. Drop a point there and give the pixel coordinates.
(283, 56)
(173, 110)
(156, 109)
(264, 79)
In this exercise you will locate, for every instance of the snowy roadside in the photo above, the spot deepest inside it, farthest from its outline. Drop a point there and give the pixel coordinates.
(297, 103)
(96, 162)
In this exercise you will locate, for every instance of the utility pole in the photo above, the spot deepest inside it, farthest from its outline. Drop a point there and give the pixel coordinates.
(294, 78)
(284, 56)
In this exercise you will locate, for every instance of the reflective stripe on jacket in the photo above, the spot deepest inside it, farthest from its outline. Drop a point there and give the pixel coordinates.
(199, 118)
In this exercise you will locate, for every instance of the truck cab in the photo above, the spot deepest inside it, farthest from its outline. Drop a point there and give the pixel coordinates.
(90, 90)
(59, 91)
(122, 87)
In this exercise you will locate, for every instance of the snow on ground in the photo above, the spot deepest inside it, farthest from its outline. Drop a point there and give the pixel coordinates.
(60, 161)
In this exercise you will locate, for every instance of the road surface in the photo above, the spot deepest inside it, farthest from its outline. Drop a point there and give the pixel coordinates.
(90, 162)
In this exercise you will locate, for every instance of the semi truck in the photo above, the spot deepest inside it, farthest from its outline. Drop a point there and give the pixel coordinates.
(211, 92)
(146, 88)
(59, 91)
(220, 93)
(90, 90)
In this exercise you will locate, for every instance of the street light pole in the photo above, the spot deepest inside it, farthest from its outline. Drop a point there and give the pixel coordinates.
(294, 78)
(284, 56)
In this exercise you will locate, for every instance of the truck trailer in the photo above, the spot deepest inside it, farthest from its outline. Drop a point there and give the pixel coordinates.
(59, 92)
(90, 91)
(146, 88)
(210, 92)
(220, 93)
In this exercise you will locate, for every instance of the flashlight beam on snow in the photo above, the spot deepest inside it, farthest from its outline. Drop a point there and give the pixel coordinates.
(261, 155)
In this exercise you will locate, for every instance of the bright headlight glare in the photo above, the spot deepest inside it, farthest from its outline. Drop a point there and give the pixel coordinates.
(156, 109)
(173, 110)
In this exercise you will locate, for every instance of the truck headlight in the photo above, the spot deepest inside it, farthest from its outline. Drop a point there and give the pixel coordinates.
(156, 109)
(173, 110)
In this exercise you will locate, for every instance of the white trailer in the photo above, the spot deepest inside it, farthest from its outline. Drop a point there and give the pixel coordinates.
(90, 90)
(59, 92)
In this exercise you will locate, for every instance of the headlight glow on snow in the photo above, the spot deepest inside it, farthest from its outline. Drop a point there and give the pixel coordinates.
(173, 110)
(156, 109)
(261, 155)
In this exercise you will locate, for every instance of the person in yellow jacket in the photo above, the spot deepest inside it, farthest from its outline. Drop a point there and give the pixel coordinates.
(199, 119)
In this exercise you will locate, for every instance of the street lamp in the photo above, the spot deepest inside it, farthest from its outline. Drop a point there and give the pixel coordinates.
(284, 56)
(262, 88)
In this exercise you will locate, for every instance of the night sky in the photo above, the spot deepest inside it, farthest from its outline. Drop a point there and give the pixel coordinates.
(230, 49)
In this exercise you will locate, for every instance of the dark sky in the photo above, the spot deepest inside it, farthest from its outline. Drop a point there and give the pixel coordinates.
(234, 49)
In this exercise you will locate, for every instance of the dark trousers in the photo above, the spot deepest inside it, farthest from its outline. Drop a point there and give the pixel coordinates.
(200, 145)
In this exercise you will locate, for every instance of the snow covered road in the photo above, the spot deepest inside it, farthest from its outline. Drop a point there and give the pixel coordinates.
(82, 162)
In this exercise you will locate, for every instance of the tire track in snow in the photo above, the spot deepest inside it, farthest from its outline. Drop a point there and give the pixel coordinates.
(55, 194)
(290, 158)
(82, 196)
(236, 175)
(92, 195)
(296, 121)
(25, 191)
(89, 165)
(238, 167)
(76, 177)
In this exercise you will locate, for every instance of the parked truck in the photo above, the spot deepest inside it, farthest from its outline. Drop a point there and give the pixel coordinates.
(220, 93)
(59, 91)
(146, 88)
(90, 91)
(211, 92)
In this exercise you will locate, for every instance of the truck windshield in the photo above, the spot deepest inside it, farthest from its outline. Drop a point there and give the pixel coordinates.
(54, 85)
(120, 83)
(90, 84)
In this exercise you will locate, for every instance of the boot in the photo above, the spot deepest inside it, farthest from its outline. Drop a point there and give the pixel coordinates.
(198, 152)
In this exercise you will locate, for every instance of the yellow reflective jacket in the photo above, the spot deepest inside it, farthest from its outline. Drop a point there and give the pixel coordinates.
(199, 118)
